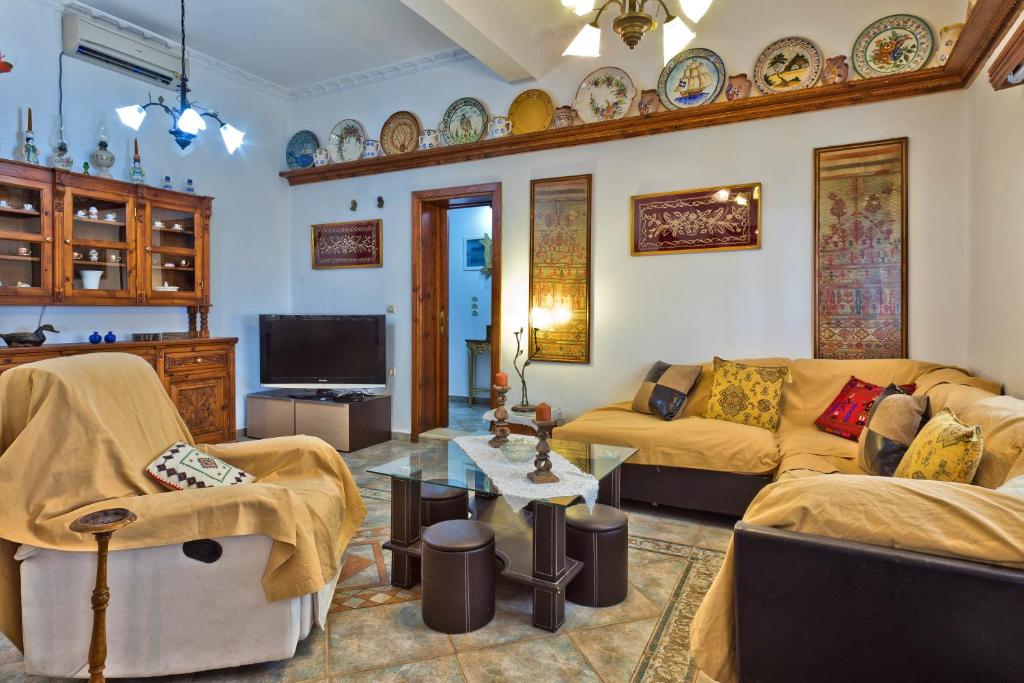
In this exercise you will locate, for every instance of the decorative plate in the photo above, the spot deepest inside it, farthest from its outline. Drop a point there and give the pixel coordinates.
(465, 121)
(692, 78)
(347, 140)
(401, 133)
(301, 148)
(893, 45)
(604, 95)
(788, 64)
(531, 111)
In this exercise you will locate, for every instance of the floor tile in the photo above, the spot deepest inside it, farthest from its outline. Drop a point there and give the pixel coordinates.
(714, 538)
(382, 636)
(635, 606)
(513, 620)
(308, 664)
(654, 575)
(613, 651)
(440, 670)
(542, 660)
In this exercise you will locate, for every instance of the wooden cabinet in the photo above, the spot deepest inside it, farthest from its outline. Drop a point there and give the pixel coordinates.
(199, 376)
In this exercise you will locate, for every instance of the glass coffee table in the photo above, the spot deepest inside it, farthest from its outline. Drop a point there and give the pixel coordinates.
(530, 543)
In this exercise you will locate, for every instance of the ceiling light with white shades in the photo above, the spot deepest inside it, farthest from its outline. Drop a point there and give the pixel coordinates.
(633, 22)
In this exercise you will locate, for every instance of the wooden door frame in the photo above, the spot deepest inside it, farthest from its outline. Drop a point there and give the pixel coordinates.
(488, 194)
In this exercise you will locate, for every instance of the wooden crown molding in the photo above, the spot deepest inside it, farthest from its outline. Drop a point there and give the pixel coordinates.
(1008, 61)
(987, 25)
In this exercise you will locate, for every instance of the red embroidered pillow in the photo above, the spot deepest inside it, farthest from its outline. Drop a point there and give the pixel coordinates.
(848, 412)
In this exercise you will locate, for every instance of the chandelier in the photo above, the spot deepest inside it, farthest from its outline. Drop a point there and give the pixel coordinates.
(187, 118)
(633, 22)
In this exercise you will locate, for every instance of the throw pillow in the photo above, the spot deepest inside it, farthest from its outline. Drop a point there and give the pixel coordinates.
(848, 412)
(894, 421)
(945, 450)
(185, 467)
(664, 389)
(746, 394)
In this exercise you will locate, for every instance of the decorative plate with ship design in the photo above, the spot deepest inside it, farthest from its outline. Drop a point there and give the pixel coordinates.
(301, 148)
(893, 45)
(604, 95)
(788, 64)
(465, 121)
(692, 78)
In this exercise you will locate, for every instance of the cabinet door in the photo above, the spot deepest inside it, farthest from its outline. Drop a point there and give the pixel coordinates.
(98, 244)
(172, 262)
(201, 402)
(26, 240)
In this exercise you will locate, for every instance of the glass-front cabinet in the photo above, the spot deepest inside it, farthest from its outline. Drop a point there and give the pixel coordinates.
(26, 237)
(97, 248)
(172, 265)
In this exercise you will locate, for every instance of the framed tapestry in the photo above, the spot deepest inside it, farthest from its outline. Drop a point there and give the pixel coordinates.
(560, 269)
(355, 244)
(860, 250)
(706, 219)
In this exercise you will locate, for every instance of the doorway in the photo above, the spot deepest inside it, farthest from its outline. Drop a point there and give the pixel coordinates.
(453, 230)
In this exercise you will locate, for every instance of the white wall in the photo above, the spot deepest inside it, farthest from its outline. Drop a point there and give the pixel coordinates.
(250, 242)
(463, 285)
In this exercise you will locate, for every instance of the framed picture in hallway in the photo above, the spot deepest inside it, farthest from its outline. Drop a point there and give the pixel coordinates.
(860, 250)
(355, 244)
(560, 269)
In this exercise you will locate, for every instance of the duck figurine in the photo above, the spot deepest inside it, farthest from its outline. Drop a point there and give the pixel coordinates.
(36, 338)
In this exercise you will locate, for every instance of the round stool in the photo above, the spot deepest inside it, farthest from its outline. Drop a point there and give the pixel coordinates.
(458, 576)
(599, 540)
(441, 503)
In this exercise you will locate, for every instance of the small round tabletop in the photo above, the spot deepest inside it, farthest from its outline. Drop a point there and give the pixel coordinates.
(525, 419)
(103, 520)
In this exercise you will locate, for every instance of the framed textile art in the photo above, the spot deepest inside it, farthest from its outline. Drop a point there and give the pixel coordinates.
(860, 250)
(706, 219)
(560, 269)
(355, 244)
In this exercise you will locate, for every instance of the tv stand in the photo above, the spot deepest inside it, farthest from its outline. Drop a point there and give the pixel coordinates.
(347, 425)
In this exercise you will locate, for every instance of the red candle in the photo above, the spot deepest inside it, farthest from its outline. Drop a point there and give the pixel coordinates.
(501, 379)
(543, 413)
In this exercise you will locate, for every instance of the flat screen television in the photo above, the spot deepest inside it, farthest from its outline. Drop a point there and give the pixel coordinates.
(323, 351)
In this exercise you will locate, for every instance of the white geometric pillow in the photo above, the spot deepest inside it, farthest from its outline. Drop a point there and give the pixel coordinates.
(184, 467)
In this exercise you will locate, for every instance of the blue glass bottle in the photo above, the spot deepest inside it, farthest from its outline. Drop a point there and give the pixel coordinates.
(110, 337)
(95, 337)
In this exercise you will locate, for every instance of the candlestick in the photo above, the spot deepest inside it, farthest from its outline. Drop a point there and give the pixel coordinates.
(543, 474)
(501, 429)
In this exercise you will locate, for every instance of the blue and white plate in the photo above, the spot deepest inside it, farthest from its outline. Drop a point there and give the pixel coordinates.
(301, 148)
(692, 78)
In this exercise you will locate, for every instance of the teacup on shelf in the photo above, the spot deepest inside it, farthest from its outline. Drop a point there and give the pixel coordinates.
(28, 207)
(110, 217)
(177, 226)
(4, 204)
(80, 213)
(158, 224)
(24, 251)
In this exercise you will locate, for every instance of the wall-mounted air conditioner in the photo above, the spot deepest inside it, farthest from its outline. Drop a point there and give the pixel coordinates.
(115, 49)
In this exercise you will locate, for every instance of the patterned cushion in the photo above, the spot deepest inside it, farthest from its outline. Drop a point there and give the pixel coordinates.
(846, 415)
(894, 421)
(185, 467)
(664, 389)
(945, 450)
(746, 394)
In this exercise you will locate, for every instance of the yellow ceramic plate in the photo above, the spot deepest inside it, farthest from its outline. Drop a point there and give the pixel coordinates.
(532, 111)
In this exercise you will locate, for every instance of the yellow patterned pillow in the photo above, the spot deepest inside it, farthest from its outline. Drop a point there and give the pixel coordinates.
(944, 450)
(747, 394)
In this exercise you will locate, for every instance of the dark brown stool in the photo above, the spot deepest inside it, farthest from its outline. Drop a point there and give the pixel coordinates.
(599, 540)
(458, 576)
(441, 503)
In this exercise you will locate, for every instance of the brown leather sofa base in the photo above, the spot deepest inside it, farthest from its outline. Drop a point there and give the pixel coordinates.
(726, 493)
(810, 608)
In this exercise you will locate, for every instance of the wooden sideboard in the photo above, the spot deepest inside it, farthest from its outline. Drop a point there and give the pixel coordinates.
(198, 374)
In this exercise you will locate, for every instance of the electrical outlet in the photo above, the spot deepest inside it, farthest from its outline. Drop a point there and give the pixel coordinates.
(391, 372)
(391, 308)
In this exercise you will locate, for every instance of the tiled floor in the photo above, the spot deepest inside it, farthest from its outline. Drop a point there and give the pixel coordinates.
(390, 643)
(465, 417)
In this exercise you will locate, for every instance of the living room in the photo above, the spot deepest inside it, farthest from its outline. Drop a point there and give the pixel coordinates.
(742, 118)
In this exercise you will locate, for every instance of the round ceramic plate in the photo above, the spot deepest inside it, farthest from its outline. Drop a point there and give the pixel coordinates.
(401, 133)
(347, 140)
(788, 64)
(301, 148)
(692, 78)
(604, 95)
(531, 111)
(465, 121)
(893, 45)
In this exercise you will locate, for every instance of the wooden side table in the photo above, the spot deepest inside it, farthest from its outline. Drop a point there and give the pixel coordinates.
(476, 347)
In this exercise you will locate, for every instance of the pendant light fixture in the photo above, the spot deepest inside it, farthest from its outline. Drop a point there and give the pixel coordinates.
(187, 118)
(633, 22)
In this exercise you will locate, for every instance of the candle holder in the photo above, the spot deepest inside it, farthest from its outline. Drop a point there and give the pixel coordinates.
(543, 474)
(501, 429)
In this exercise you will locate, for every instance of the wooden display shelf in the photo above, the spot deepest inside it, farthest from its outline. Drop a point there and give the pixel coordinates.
(97, 264)
(17, 257)
(100, 221)
(988, 23)
(172, 251)
(99, 244)
(7, 210)
(185, 269)
(173, 231)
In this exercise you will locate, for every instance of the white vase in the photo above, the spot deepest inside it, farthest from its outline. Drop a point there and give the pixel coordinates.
(91, 279)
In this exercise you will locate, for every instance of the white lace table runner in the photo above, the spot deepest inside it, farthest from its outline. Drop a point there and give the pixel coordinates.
(510, 477)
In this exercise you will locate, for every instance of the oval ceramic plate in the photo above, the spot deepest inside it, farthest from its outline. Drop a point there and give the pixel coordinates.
(531, 111)
(691, 78)
(893, 45)
(788, 64)
(401, 133)
(604, 95)
(465, 121)
(347, 140)
(301, 148)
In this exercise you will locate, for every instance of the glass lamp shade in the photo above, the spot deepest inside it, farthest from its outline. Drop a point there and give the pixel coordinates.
(232, 137)
(586, 44)
(582, 7)
(131, 116)
(191, 122)
(677, 35)
(695, 9)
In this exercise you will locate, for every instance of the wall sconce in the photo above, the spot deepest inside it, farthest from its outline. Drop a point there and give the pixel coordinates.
(546, 318)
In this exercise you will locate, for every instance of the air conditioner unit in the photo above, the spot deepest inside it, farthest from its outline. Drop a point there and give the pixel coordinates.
(115, 49)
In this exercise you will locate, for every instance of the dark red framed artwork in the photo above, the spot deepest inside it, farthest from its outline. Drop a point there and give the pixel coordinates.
(355, 244)
(706, 219)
